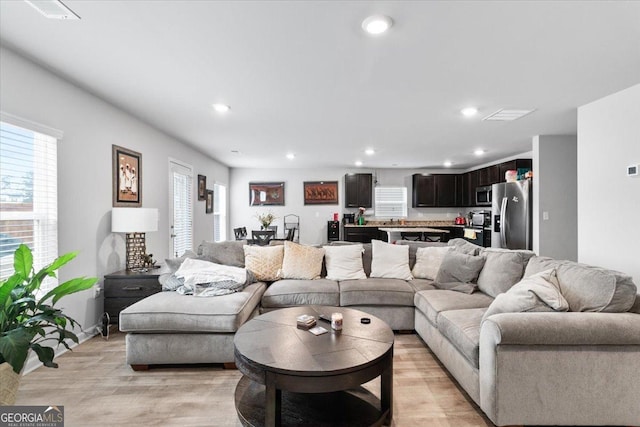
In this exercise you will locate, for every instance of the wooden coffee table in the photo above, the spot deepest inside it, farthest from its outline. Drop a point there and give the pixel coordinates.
(292, 377)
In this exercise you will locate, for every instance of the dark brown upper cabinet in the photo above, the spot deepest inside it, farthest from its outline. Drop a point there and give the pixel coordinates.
(358, 190)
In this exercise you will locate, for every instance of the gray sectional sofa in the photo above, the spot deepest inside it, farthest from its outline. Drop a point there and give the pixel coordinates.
(524, 368)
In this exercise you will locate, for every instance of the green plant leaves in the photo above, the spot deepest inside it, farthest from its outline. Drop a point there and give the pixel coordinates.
(23, 260)
(14, 346)
(70, 287)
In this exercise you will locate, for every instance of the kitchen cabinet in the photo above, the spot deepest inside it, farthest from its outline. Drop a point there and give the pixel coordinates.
(423, 191)
(472, 180)
(445, 190)
(462, 190)
(436, 190)
(513, 165)
(361, 234)
(358, 190)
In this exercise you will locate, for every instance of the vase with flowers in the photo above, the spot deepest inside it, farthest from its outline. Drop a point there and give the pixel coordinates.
(265, 219)
(360, 218)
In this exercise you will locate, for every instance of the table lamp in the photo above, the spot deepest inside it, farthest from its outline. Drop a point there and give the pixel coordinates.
(135, 222)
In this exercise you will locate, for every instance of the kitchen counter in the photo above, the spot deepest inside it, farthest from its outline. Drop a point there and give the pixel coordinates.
(412, 224)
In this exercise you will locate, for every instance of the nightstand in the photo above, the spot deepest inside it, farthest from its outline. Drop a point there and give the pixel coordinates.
(123, 288)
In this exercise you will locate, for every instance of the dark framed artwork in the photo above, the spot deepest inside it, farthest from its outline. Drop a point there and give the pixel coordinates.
(321, 193)
(266, 194)
(209, 204)
(202, 187)
(127, 177)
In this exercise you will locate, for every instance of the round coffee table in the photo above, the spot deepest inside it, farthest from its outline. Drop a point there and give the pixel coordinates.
(292, 377)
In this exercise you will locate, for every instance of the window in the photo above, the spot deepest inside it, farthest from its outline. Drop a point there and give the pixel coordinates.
(219, 213)
(391, 202)
(181, 198)
(28, 195)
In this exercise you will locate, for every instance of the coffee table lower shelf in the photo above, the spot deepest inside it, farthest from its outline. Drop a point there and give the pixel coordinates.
(353, 408)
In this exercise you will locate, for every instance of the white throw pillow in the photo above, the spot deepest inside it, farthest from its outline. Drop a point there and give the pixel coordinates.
(428, 261)
(390, 261)
(344, 262)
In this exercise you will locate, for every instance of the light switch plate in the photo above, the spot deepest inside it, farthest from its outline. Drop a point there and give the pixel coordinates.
(632, 170)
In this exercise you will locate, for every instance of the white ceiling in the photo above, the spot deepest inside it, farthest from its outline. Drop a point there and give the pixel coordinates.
(302, 77)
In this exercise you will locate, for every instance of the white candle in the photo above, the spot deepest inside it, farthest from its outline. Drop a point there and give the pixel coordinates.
(336, 321)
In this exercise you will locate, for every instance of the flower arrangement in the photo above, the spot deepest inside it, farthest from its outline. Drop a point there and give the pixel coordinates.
(266, 219)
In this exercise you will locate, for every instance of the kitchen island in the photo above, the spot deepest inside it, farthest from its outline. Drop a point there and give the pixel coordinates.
(421, 233)
(374, 229)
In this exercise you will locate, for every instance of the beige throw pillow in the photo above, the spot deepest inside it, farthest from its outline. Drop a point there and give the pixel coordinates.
(265, 262)
(301, 262)
(344, 262)
(390, 261)
(428, 261)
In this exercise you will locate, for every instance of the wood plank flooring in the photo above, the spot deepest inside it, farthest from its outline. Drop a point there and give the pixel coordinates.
(97, 388)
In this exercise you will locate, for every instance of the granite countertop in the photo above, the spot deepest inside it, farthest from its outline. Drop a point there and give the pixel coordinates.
(407, 224)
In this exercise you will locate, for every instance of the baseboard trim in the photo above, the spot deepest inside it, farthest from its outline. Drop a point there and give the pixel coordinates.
(34, 363)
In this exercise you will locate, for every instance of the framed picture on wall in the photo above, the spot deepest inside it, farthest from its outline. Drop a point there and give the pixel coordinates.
(127, 177)
(321, 193)
(266, 194)
(209, 204)
(202, 187)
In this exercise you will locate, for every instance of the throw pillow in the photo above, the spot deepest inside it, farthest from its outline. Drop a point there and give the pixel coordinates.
(465, 247)
(344, 262)
(390, 261)
(225, 253)
(265, 262)
(459, 267)
(428, 261)
(173, 264)
(301, 262)
(502, 269)
(540, 292)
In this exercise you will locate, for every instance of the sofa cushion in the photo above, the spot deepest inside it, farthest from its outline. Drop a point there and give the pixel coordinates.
(421, 284)
(293, 292)
(432, 303)
(589, 288)
(265, 262)
(467, 288)
(344, 262)
(502, 269)
(301, 262)
(459, 267)
(464, 246)
(390, 261)
(172, 312)
(540, 292)
(226, 253)
(414, 246)
(462, 329)
(376, 291)
(428, 261)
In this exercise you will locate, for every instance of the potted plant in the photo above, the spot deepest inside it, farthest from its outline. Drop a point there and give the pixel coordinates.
(29, 321)
(266, 219)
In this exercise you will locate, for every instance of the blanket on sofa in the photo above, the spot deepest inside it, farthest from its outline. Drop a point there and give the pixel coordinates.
(206, 279)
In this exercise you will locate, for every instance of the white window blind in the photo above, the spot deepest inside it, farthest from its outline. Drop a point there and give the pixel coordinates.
(219, 213)
(28, 197)
(391, 202)
(182, 208)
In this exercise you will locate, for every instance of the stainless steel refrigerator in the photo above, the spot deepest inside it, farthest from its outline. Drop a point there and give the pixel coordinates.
(512, 215)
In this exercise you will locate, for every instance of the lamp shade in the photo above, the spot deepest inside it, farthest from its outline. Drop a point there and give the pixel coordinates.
(134, 220)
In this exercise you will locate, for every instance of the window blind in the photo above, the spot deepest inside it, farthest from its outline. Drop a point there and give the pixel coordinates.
(182, 209)
(391, 202)
(219, 213)
(28, 197)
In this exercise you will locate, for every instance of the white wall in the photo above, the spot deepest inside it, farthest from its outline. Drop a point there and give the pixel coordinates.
(555, 193)
(608, 200)
(313, 219)
(90, 127)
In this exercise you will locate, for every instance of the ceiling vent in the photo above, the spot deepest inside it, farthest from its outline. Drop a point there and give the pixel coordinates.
(53, 9)
(507, 115)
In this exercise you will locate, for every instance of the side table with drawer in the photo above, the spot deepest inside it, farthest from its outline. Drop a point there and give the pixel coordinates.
(123, 288)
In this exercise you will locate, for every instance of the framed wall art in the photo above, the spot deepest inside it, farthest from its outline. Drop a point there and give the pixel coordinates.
(266, 194)
(321, 193)
(202, 187)
(209, 205)
(127, 177)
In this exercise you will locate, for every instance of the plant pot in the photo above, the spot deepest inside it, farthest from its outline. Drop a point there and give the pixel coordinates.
(9, 382)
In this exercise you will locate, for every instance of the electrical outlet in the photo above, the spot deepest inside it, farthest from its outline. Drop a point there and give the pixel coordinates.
(96, 292)
(545, 216)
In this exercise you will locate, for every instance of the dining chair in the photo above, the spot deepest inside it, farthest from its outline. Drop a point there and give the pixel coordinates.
(411, 235)
(240, 233)
(262, 237)
(274, 228)
(433, 237)
(291, 232)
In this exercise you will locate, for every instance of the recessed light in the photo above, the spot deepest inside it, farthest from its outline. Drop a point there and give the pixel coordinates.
(377, 24)
(358, 163)
(291, 156)
(53, 9)
(469, 111)
(369, 151)
(479, 152)
(221, 108)
(447, 164)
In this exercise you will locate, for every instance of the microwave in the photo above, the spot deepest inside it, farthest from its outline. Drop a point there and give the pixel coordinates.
(483, 196)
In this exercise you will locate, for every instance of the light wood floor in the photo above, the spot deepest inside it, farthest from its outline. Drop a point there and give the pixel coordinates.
(97, 388)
